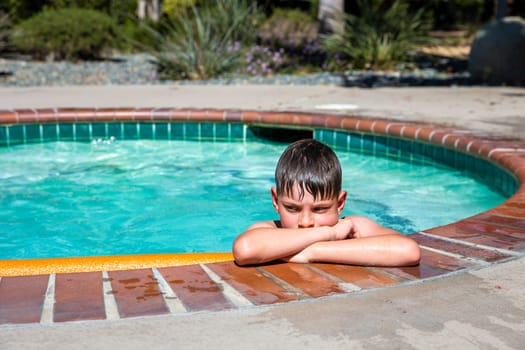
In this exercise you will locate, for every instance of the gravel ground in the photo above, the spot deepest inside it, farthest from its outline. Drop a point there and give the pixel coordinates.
(138, 70)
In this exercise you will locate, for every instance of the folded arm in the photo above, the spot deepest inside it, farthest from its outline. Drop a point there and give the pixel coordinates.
(265, 242)
(355, 240)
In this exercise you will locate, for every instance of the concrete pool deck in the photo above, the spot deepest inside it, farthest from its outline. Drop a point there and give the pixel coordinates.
(474, 308)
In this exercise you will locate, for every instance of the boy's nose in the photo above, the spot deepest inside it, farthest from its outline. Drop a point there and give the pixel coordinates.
(306, 220)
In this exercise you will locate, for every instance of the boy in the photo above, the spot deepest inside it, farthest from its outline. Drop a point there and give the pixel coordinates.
(309, 201)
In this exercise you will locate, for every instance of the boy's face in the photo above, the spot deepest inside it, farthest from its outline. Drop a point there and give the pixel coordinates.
(297, 212)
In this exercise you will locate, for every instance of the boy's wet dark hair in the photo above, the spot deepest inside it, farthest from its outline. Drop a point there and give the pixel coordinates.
(313, 166)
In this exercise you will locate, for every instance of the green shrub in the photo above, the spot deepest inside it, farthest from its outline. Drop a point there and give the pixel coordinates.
(289, 28)
(68, 34)
(206, 41)
(86, 4)
(135, 36)
(379, 36)
(174, 8)
(120, 10)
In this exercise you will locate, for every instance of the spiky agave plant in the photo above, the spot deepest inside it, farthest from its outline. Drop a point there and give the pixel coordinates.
(204, 42)
(380, 35)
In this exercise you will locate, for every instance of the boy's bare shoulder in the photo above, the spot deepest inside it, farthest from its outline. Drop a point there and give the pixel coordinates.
(264, 224)
(361, 220)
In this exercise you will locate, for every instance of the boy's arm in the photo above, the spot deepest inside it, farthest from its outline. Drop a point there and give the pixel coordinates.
(263, 242)
(369, 244)
(389, 250)
(374, 245)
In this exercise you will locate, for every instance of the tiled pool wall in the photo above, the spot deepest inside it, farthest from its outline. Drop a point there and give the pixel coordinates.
(421, 153)
(23, 127)
(155, 286)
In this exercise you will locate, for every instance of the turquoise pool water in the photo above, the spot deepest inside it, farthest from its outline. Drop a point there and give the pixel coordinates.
(63, 199)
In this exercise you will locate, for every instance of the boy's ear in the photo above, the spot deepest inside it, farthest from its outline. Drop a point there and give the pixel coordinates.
(341, 199)
(275, 199)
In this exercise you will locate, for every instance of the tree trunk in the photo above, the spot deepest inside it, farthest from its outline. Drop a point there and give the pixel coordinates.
(149, 9)
(330, 19)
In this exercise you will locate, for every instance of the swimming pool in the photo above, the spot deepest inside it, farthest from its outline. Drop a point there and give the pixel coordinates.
(108, 197)
(377, 138)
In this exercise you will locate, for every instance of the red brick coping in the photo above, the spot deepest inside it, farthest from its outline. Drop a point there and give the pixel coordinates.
(478, 241)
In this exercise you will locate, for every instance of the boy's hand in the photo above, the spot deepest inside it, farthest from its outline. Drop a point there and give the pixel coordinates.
(343, 229)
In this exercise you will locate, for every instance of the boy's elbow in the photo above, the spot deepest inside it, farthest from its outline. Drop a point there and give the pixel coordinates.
(242, 252)
(412, 253)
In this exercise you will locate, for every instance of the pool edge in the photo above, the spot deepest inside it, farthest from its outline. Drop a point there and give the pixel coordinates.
(508, 154)
(29, 267)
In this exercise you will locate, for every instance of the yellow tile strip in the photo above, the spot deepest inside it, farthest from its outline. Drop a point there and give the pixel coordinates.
(27, 267)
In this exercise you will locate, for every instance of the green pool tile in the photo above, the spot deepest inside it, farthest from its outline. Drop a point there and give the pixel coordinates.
(481, 166)
(16, 134)
(325, 136)
(423, 150)
(416, 149)
(98, 130)
(116, 130)
(394, 153)
(49, 132)
(439, 154)
(419, 153)
(394, 145)
(499, 179)
(146, 131)
(237, 132)
(207, 131)
(318, 134)
(459, 160)
(476, 167)
(405, 146)
(161, 131)
(331, 137)
(177, 131)
(501, 176)
(432, 151)
(82, 132)
(250, 134)
(367, 142)
(510, 185)
(65, 131)
(469, 163)
(427, 150)
(406, 154)
(448, 157)
(131, 131)
(33, 132)
(380, 145)
(3, 135)
(356, 142)
(193, 131)
(341, 140)
(222, 131)
(493, 179)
